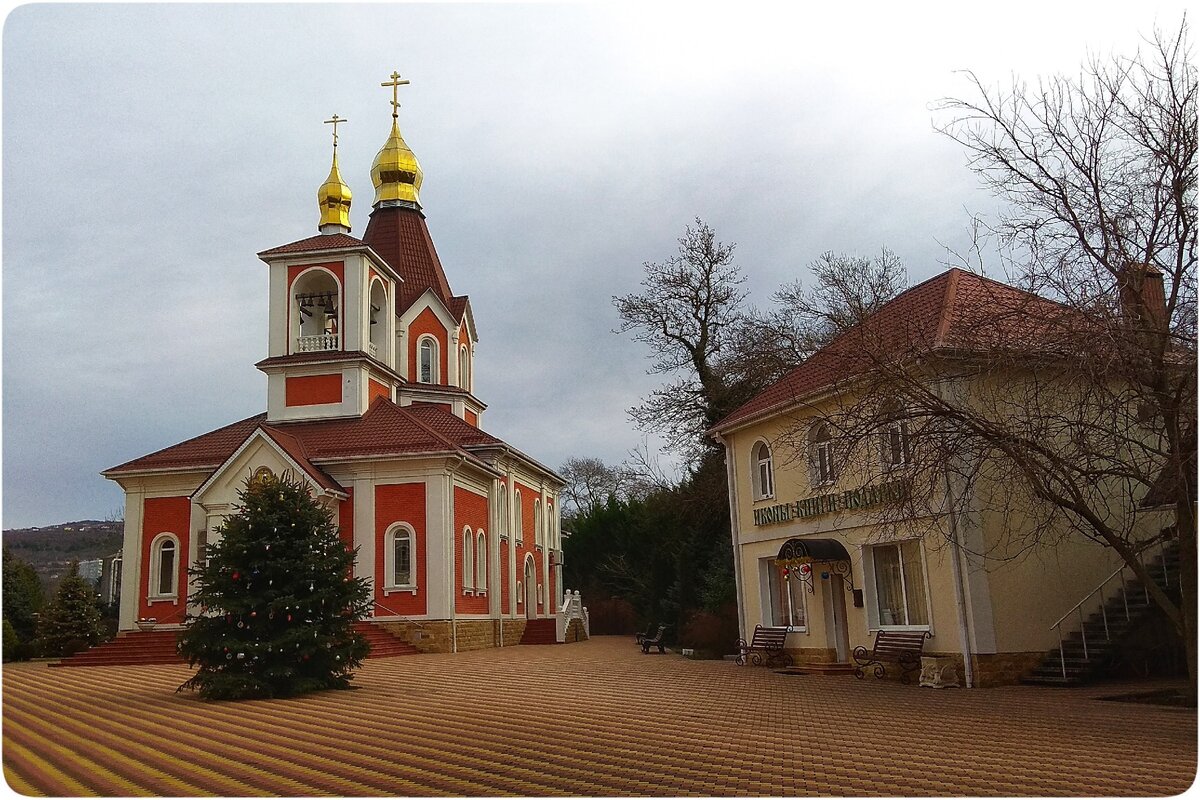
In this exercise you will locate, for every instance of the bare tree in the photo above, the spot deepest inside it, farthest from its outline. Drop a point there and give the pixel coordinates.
(590, 483)
(1068, 409)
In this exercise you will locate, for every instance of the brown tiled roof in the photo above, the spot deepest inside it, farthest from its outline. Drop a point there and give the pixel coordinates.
(399, 235)
(323, 356)
(324, 241)
(208, 450)
(956, 310)
(386, 429)
(295, 448)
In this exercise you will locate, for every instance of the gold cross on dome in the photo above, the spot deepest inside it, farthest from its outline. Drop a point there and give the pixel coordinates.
(396, 82)
(334, 122)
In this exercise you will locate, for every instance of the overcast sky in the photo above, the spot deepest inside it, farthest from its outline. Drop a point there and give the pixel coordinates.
(151, 151)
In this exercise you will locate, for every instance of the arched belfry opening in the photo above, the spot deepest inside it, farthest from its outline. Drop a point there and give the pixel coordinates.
(316, 308)
(378, 316)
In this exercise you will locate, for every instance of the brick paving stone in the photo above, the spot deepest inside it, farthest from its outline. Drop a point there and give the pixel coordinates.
(593, 718)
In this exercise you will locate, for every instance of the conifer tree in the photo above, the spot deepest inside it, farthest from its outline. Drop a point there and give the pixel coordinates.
(277, 599)
(72, 620)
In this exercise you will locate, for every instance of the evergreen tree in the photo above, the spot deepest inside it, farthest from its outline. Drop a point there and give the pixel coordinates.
(23, 596)
(276, 599)
(72, 620)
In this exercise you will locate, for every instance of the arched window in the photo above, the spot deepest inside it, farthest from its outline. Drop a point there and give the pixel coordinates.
(537, 522)
(164, 566)
(520, 532)
(481, 561)
(316, 306)
(822, 469)
(400, 546)
(468, 559)
(893, 438)
(464, 368)
(551, 526)
(764, 471)
(427, 360)
(378, 319)
(503, 510)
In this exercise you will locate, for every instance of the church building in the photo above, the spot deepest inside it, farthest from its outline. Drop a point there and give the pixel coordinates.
(370, 399)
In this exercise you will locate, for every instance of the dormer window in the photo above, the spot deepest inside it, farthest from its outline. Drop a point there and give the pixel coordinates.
(427, 360)
(464, 367)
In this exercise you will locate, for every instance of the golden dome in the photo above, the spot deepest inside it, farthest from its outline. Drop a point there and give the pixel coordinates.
(334, 199)
(395, 172)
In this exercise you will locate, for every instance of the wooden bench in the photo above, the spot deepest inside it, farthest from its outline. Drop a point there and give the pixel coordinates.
(900, 647)
(765, 646)
(657, 641)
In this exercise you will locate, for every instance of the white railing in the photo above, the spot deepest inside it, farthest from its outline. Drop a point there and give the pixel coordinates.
(572, 609)
(322, 341)
(1078, 607)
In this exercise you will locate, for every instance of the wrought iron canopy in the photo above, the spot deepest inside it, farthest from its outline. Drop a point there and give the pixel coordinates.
(813, 550)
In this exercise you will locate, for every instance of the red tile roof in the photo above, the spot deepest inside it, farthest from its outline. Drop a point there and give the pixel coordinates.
(386, 429)
(296, 450)
(323, 241)
(399, 235)
(956, 310)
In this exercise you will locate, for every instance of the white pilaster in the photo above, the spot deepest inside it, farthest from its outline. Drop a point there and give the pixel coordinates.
(364, 529)
(131, 559)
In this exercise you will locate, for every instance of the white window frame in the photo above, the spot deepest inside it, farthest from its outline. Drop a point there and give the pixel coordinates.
(537, 522)
(481, 562)
(464, 367)
(153, 593)
(519, 532)
(389, 559)
(898, 427)
(819, 449)
(765, 567)
(763, 489)
(435, 359)
(867, 555)
(468, 561)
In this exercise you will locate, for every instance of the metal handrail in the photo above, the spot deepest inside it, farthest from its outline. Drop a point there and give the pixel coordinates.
(1078, 607)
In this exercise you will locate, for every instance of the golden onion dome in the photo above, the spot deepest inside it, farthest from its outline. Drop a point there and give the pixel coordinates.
(334, 198)
(395, 171)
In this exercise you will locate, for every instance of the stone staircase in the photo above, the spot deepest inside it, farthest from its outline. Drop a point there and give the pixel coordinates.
(383, 644)
(540, 631)
(158, 647)
(130, 647)
(1125, 606)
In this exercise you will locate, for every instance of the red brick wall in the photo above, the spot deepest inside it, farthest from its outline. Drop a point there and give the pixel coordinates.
(165, 515)
(376, 389)
(402, 502)
(528, 544)
(426, 322)
(312, 390)
(471, 417)
(505, 589)
(469, 509)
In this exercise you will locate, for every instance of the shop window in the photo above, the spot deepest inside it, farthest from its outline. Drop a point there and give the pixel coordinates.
(788, 602)
(764, 472)
(899, 582)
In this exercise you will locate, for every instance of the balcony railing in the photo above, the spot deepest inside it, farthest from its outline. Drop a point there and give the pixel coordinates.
(311, 344)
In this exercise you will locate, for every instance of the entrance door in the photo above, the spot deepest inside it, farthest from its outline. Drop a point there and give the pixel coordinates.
(838, 631)
(530, 590)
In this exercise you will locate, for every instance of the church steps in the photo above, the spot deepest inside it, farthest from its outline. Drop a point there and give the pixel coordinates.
(540, 631)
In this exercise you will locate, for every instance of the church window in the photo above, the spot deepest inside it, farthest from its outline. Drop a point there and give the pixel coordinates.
(464, 368)
(427, 360)
(520, 533)
(399, 555)
(164, 563)
(537, 522)
(764, 473)
(481, 561)
(503, 510)
(468, 573)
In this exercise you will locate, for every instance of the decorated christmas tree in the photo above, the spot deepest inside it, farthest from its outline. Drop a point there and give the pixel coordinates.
(276, 599)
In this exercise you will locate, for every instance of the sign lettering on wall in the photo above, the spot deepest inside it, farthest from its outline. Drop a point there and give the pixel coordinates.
(861, 498)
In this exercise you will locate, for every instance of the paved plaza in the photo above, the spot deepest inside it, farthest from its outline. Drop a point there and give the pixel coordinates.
(594, 718)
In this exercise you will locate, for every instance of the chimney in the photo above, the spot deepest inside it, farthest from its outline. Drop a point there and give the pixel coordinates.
(1143, 299)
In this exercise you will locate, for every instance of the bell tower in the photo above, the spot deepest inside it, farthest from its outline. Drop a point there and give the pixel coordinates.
(332, 325)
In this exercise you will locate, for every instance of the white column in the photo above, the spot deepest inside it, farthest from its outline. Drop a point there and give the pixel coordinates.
(439, 553)
(547, 601)
(364, 531)
(131, 559)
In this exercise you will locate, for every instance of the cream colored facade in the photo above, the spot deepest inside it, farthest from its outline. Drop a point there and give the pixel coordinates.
(992, 615)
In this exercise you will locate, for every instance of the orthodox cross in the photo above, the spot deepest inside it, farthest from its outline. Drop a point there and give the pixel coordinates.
(336, 119)
(396, 82)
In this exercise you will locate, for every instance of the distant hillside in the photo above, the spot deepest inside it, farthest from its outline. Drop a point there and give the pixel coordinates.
(52, 548)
